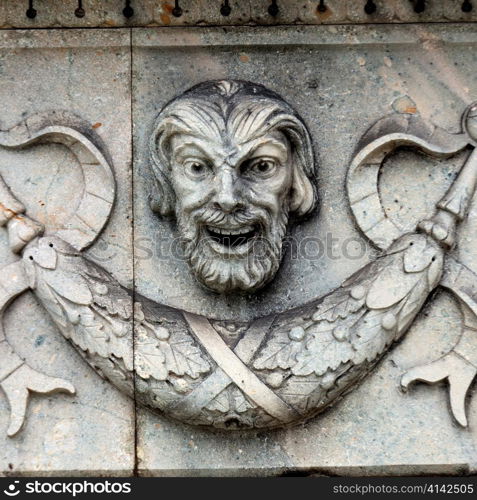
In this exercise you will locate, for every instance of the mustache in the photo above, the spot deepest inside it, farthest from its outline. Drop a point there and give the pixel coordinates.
(215, 216)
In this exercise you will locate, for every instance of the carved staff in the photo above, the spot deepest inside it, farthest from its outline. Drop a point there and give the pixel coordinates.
(459, 366)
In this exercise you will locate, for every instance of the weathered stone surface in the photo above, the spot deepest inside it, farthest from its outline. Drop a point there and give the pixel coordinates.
(328, 76)
(87, 74)
(109, 13)
(376, 429)
(314, 89)
(377, 102)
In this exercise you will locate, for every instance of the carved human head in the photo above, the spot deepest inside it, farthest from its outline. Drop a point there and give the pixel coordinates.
(232, 162)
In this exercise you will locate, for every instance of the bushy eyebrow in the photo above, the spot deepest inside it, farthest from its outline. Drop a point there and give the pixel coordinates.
(196, 147)
(191, 145)
(254, 147)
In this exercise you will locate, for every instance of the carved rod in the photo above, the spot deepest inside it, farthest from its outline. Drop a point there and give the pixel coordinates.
(453, 207)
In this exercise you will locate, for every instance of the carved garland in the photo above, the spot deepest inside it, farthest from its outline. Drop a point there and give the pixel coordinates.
(282, 368)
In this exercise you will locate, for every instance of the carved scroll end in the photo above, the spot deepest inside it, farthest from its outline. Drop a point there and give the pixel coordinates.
(17, 387)
(458, 372)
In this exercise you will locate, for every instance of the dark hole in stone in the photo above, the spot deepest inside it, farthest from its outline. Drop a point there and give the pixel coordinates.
(232, 423)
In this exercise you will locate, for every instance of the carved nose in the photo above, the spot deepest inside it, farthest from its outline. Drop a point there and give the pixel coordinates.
(226, 196)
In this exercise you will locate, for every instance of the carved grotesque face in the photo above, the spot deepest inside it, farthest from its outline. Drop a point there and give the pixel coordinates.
(232, 206)
(232, 180)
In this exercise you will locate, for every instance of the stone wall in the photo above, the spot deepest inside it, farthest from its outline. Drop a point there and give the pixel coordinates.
(109, 13)
(79, 109)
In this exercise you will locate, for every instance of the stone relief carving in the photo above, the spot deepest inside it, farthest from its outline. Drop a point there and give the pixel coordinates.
(233, 161)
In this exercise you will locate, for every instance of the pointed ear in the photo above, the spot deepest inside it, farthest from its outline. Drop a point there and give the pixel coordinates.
(303, 197)
(161, 197)
(303, 194)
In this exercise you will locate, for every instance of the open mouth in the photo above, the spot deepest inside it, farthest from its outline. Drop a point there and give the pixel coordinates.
(232, 238)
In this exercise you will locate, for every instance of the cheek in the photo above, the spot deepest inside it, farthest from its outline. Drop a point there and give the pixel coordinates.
(190, 194)
(271, 193)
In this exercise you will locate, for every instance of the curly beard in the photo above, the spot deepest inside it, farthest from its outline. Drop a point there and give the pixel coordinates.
(233, 266)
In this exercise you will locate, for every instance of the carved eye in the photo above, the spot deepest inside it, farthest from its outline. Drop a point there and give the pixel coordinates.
(196, 169)
(261, 167)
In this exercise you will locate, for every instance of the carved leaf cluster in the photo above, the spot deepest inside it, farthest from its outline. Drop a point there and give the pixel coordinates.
(337, 306)
(322, 351)
(357, 322)
(68, 293)
(96, 314)
(280, 352)
(160, 350)
(307, 350)
(230, 400)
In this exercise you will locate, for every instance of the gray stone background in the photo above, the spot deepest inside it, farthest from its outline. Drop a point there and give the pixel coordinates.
(341, 79)
(108, 13)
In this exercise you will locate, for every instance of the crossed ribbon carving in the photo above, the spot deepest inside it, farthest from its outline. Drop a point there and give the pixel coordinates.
(232, 368)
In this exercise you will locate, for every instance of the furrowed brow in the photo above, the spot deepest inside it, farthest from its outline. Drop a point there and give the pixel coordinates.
(190, 148)
(258, 148)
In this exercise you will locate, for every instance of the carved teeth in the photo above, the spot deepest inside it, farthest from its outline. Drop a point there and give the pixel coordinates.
(230, 232)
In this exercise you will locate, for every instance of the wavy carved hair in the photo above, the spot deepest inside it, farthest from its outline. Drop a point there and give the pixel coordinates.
(243, 110)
